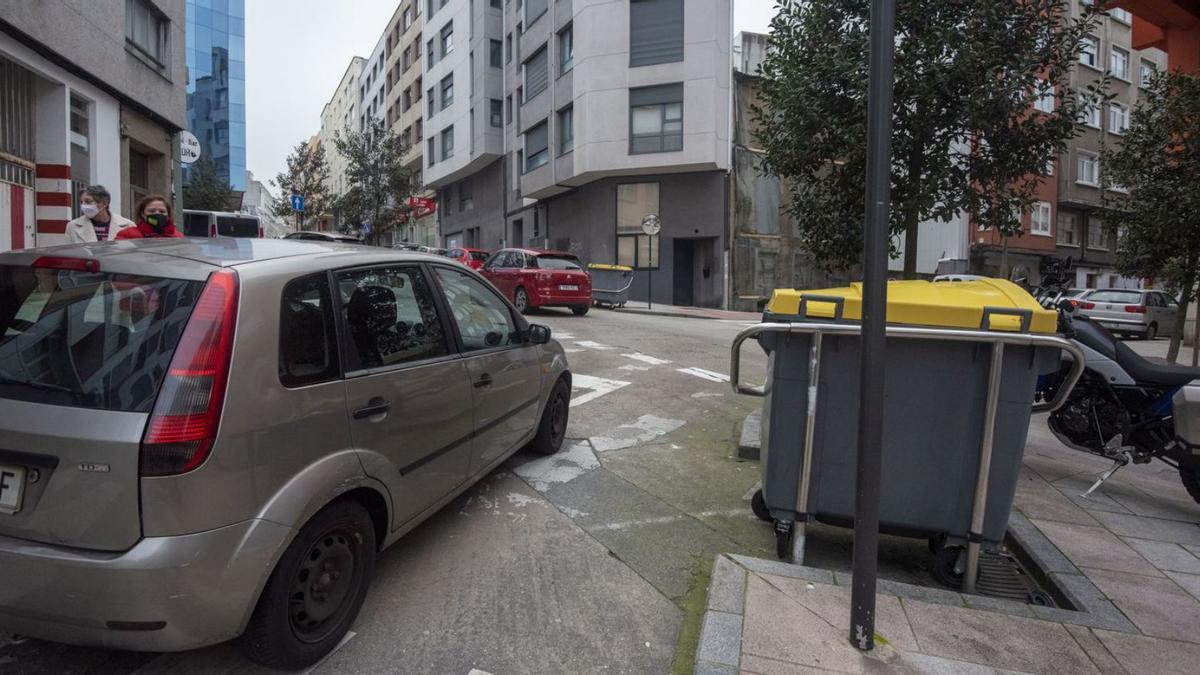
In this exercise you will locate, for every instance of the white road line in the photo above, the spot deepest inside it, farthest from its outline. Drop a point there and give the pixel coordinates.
(646, 358)
(563, 336)
(704, 374)
(568, 350)
(594, 345)
(599, 386)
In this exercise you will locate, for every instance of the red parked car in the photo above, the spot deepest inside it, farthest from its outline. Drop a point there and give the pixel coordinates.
(534, 278)
(471, 257)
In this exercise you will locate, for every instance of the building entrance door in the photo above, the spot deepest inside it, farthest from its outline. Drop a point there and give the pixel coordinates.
(683, 266)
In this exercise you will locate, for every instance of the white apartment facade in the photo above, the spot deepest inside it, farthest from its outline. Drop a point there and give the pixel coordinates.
(339, 115)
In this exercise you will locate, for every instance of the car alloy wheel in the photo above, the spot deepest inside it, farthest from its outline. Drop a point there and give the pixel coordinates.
(521, 300)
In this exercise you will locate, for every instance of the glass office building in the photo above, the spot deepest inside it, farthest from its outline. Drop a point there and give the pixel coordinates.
(216, 93)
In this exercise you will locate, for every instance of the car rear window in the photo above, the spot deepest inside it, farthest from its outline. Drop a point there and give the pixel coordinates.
(557, 262)
(479, 255)
(89, 339)
(195, 224)
(237, 227)
(1121, 297)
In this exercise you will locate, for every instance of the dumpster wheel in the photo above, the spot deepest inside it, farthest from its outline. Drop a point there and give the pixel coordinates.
(783, 539)
(946, 568)
(758, 504)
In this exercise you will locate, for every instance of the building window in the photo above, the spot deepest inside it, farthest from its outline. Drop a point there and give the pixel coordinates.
(1146, 72)
(655, 32)
(146, 29)
(432, 102)
(537, 74)
(406, 100)
(566, 130)
(431, 54)
(656, 119)
(1045, 101)
(635, 248)
(508, 48)
(1068, 229)
(447, 143)
(466, 199)
(408, 17)
(566, 49)
(1121, 15)
(508, 110)
(537, 146)
(496, 112)
(534, 9)
(1119, 63)
(1089, 53)
(1089, 169)
(429, 151)
(1089, 113)
(496, 4)
(495, 53)
(447, 39)
(1039, 219)
(1118, 118)
(1096, 238)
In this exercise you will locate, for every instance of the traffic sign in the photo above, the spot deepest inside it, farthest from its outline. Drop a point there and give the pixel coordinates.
(298, 203)
(366, 227)
(189, 147)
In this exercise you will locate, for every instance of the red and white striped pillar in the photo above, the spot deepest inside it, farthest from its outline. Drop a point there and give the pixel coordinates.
(53, 203)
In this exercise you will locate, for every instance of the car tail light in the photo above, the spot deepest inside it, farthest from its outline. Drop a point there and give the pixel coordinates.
(260, 233)
(48, 262)
(212, 229)
(183, 426)
(1135, 309)
(1085, 305)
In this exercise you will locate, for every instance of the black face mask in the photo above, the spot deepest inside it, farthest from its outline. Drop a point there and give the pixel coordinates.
(158, 222)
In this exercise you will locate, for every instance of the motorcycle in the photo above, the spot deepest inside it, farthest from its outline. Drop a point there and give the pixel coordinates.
(1124, 408)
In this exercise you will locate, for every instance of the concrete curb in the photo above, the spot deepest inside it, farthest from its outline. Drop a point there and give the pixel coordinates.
(680, 315)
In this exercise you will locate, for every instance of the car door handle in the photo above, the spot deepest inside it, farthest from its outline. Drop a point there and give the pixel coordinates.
(376, 406)
(484, 381)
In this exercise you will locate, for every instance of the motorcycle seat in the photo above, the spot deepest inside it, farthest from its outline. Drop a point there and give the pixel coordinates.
(1144, 371)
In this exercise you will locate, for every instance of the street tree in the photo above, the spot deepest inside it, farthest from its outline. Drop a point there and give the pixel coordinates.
(965, 139)
(375, 170)
(1156, 211)
(206, 190)
(306, 175)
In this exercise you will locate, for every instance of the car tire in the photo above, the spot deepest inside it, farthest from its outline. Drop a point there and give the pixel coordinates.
(552, 428)
(1151, 332)
(521, 301)
(580, 310)
(338, 541)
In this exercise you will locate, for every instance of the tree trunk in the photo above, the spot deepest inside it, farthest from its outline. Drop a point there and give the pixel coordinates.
(912, 222)
(1189, 286)
(1004, 256)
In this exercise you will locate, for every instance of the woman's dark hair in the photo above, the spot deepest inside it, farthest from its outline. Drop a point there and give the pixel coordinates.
(139, 211)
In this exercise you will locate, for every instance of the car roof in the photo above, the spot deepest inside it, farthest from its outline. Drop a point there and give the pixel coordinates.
(196, 257)
(541, 251)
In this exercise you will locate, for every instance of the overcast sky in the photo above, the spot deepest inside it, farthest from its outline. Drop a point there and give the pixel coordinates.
(297, 50)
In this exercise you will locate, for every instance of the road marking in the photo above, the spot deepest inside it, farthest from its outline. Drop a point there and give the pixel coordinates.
(664, 520)
(564, 467)
(646, 358)
(599, 386)
(643, 429)
(594, 345)
(704, 374)
(635, 369)
(571, 351)
(564, 336)
(707, 394)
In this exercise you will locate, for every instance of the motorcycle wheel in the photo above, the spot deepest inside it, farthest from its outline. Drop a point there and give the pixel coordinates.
(1190, 475)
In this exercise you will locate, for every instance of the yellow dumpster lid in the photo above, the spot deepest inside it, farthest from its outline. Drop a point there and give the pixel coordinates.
(619, 268)
(922, 303)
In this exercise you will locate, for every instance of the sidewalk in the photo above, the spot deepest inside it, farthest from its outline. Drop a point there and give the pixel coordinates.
(1127, 557)
(688, 312)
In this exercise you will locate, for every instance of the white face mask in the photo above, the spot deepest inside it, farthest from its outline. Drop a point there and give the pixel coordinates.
(89, 210)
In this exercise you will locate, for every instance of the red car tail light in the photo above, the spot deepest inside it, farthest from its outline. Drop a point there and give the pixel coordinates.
(1135, 309)
(1086, 305)
(48, 262)
(183, 426)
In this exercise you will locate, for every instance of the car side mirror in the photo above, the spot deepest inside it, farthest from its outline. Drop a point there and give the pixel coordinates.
(539, 334)
(1066, 305)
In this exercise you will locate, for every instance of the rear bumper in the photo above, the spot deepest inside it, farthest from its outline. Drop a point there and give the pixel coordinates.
(164, 594)
(1122, 324)
(557, 298)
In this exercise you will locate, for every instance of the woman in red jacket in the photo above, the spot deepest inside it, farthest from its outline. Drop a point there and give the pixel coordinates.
(153, 218)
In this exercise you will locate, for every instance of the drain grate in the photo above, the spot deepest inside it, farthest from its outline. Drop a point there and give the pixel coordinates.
(1001, 576)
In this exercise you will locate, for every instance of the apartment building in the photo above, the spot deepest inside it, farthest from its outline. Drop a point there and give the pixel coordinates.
(565, 123)
(340, 114)
(86, 97)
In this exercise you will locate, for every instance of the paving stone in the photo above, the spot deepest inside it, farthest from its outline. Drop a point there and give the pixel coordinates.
(1165, 555)
(1155, 505)
(1190, 582)
(1073, 488)
(779, 628)
(1094, 547)
(1046, 556)
(757, 665)
(985, 603)
(1141, 654)
(1096, 650)
(1038, 499)
(727, 589)
(1095, 608)
(720, 638)
(705, 668)
(1157, 606)
(832, 603)
(935, 596)
(778, 567)
(996, 640)
(937, 665)
(749, 445)
(1150, 528)
(1108, 620)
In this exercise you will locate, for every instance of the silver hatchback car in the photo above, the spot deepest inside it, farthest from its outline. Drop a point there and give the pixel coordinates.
(1130, 312)
(201, 439)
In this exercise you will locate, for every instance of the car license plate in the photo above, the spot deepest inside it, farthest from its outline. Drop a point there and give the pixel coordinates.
(12, 483)
(568, 287)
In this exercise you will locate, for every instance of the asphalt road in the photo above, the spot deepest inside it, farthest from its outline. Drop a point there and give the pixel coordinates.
(575, 563)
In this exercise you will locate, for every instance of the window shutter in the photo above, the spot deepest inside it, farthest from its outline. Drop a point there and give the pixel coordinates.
(536, 140)
(655, 31)
(537, 73)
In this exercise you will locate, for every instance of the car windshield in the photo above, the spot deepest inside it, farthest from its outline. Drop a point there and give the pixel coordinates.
(479, 255)
(88, 339)
(557, 262)
(1120, 297)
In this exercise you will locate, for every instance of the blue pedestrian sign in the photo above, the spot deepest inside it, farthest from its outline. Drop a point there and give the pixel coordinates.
(366, 227)
(298, 203)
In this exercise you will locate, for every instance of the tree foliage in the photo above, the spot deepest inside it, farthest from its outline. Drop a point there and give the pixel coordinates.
(379, 180)
(306, 174)
(1157, 163)
(206, 190)
(965, 140)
